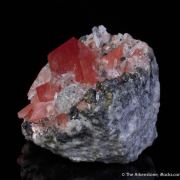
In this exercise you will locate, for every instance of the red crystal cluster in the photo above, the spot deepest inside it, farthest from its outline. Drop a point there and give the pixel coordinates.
(72, 56)
(87, 67)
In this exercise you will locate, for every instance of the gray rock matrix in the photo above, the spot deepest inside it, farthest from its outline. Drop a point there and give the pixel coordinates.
(115, 132)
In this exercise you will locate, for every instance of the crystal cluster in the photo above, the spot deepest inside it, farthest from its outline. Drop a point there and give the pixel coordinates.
(97, 99)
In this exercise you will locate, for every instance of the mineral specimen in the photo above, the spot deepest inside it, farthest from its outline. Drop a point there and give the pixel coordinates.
(97, 99)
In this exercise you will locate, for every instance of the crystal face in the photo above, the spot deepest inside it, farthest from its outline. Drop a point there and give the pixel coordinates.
(96, 91)
(74, 56)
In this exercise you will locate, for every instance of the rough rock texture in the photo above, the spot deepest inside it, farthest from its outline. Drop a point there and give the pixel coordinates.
(110, 117)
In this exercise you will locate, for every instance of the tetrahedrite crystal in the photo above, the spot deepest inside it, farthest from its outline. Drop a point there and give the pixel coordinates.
(97, 99)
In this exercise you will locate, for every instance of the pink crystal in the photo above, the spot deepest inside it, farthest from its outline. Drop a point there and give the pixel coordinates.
(87, 61)
(47, 91)
(113, 56)
(62, 119)
(25, 112)
(73, 56)
(41, 110)
(37, 111)
(65, 58)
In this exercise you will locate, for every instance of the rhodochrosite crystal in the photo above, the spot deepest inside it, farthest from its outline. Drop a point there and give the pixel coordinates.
(97, 99)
